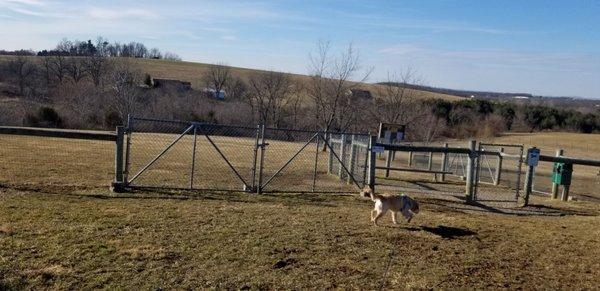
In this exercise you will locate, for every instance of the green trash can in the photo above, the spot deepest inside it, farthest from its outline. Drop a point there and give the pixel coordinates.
(562, 173)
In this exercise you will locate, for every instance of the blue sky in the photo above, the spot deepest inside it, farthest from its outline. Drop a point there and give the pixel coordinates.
(541, 47)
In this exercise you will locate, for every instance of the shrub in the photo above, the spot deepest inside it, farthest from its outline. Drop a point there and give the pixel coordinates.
(45, 117)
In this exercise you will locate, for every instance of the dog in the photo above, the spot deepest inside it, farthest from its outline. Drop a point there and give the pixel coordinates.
(395, 203)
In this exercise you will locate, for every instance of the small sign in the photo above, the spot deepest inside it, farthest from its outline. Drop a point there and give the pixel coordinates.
(391, 132)
(533, 157)
(377, 149)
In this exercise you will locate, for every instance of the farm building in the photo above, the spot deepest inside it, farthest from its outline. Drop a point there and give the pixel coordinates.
(171, 83)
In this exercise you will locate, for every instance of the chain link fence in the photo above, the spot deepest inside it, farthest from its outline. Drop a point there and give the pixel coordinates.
(55, 161)
(191, 155)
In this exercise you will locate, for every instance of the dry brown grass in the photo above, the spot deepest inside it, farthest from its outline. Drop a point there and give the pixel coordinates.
(60, 228)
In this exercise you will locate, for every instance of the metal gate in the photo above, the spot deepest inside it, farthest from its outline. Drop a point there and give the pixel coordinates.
(203, 156)
(498, 164)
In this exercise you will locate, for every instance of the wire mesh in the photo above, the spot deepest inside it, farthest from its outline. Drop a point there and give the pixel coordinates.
(190, 155)
(41, 160)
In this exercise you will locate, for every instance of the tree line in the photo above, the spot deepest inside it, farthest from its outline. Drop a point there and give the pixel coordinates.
(90, 89)
(100, 47)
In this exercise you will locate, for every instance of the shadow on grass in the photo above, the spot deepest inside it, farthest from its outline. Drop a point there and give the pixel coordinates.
(448, 232)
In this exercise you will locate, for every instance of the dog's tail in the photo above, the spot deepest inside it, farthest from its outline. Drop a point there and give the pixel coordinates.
(368, 192)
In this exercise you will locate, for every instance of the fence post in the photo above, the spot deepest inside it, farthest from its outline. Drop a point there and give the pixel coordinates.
(351, 162)
(499, 167)
(410, 156)
(469, 193)
(388, 163)
(559, 153)
(118, 184)
(444, 163)
(329, 153)
(524, 201)
(430, 166)
(372, 162)
(565, 193)
(341, 173)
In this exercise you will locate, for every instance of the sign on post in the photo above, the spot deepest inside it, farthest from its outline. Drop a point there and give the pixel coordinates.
(533, 157)
(377, 149)
(391, 132)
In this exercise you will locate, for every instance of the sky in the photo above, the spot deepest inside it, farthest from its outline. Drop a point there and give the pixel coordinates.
(540, 47)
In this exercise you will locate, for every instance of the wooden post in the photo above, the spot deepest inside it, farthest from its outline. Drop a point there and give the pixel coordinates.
(524, 199)
(119, 154)
(469, 193)
(559, 153)
(119, 184)
(444, 163)
(499, 167)
(372, 163)
(388, 163)
(410, 156)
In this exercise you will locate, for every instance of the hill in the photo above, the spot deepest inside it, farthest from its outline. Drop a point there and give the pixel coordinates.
(192, 72)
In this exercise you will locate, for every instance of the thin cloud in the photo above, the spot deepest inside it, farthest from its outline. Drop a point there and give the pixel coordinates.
(116, 14)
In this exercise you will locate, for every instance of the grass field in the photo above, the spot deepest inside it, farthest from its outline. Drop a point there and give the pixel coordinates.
(60, 228)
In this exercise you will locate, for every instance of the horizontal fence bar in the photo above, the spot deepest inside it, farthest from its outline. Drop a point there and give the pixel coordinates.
(410, 148)
(59, 133)
(568, 160)
(414, 170)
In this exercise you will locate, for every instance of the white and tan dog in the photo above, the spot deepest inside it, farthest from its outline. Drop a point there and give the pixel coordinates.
(395, 203)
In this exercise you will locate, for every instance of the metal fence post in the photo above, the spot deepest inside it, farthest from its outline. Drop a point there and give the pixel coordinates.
(316, 163)
(193, 160)
(343, 159)
(329, 153)
(129, 132)
(469, 193)
(262, 160)
(254, 160)
(444, 163)
(565, 193)
(559, 153)
(372, 162)
(430, 165)
(388, 163)
(351, 162)
(410, 158)
(499, 167)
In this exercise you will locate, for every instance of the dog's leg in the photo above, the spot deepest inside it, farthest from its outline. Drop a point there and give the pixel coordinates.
(373, 214)
(379, 215)
(394, 217)
(406, 213)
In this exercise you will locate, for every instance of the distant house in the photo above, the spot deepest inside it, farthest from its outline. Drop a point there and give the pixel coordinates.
(172, 84)
(521, 97)
(213, 93)
(359, 93)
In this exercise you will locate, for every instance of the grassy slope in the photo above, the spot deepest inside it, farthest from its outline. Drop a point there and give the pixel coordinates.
(192, 72)
(92, 240)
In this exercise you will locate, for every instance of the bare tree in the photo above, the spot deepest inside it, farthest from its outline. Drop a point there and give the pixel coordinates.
(23, 70)
(331, 86)
(124, 84)
(75, 68)
(269, 94)
(97, 67)
(396, 102)
(58, 66)
(237, 89)
(217, 77)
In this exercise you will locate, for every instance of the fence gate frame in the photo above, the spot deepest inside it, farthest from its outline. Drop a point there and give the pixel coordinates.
(258, 180)
(198, 128)
(483, 153)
